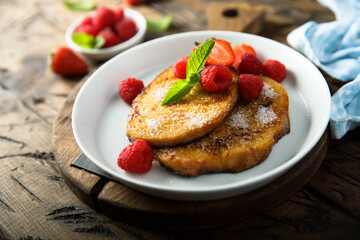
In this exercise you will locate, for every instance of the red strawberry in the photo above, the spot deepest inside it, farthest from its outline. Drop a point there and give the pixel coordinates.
(133, 2)
(63, 61)
(111, 39)
(88, 29)
(179, 68)
(125, 28)
(221, 54)
(239, 50)
(119, 13)
(103, 17)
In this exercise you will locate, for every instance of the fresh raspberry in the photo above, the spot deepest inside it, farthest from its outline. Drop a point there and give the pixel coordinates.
(250, 86)
(179, 68)
(239, 50)
(103, 17)
(111, 39)
(130, 88)
(125, 28)
(274, 69)
(119, 13)
(215, 78)
(250, 64)
(136, 157)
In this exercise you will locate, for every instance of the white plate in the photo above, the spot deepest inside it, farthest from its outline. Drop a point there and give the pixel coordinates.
(99, 116)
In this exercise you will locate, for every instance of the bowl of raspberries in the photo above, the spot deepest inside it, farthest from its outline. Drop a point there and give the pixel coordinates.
(105, 32)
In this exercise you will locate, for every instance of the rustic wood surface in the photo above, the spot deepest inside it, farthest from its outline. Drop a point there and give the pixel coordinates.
(36, 202)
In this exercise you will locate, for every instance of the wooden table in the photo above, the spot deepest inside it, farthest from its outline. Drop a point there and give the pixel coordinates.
(35, 202)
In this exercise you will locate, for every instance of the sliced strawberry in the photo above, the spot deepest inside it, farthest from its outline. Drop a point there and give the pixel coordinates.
(221, 54)
(63, 61)
(239, 50)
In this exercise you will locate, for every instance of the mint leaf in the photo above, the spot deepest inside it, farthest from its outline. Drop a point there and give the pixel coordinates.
(99, 42)
(160, 24)
(194, 66)
(83, 40)
(198, 58)
(193, 79)
(88, 41)
(80, 6)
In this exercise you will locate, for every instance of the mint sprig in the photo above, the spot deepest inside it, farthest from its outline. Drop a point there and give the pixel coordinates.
(194, 66)
(88, 41)
(159, 24)
(80, 5)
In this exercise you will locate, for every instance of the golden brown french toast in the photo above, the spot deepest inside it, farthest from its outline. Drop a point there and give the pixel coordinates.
(195, 115)
(243, 140)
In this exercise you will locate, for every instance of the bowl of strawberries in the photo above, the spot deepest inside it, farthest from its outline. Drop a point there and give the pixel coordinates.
(105, 32)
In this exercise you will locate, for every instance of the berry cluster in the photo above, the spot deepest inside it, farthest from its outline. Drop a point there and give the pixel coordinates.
(250, 67)
(112, 25)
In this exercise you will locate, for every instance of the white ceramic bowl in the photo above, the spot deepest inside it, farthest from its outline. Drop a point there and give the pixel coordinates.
(107, 53)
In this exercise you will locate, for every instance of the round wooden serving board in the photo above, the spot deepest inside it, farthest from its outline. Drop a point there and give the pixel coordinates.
(127, 205)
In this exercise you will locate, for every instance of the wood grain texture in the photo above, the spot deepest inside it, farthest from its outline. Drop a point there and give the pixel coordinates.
(36, 203)
(238, 17)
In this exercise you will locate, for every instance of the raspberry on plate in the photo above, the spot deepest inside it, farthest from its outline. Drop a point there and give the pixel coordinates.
(129, 89)
(136, 157)
(125, 28)
(250, 86)
(250, 64)
(111, 39)
(179, 68)
(274, 69)
(215, 78)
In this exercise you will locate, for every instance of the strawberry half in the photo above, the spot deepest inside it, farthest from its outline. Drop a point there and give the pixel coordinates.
(221, 54)
(239, 50)
(63, 61)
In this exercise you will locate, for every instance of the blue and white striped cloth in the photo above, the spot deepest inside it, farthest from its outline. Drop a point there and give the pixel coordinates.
(335, 48)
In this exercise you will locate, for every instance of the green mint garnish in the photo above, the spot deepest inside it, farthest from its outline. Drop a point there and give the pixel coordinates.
(88, 41)
(80, 6)
(159, 24)
(194, 66)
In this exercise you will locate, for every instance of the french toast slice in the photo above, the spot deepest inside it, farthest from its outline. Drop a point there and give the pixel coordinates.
(198, 113)
(243, 140)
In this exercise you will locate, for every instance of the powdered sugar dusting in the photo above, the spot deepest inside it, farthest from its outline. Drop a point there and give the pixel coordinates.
(238, 119)
(268, 91)
(152, 124)
(265, 115)
(160, 94)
